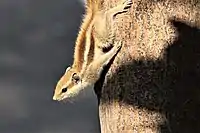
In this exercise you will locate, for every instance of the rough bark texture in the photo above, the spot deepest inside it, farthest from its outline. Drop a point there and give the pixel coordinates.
(153, 85)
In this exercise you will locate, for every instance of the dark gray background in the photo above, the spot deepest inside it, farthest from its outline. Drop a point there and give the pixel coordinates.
(36, 45)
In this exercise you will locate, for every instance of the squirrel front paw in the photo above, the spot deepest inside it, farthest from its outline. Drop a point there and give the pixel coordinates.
(126, 4)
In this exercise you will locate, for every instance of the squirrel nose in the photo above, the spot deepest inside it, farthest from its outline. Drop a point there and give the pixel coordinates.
(55, 98)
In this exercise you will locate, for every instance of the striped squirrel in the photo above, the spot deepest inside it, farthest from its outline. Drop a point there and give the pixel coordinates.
(95, 35)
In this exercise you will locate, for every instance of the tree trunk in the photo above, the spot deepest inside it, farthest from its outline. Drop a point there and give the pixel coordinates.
(153, 84)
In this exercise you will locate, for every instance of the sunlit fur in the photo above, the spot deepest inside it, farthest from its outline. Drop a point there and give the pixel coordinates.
(65, 81)
(96, 29)
(76, 89)
(73, 89)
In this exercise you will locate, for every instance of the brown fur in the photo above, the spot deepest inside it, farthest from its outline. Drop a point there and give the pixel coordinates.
(95, 34)
(64, 81)
(92, 6)
(80, 46)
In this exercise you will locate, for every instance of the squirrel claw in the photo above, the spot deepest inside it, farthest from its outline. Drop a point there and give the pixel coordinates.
(119, 45)
(126, 4)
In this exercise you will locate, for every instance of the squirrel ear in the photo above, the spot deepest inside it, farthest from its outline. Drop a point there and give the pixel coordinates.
(76, 78)
(67, 69)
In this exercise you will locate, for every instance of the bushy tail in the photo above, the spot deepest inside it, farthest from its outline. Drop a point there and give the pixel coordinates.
(94, 5)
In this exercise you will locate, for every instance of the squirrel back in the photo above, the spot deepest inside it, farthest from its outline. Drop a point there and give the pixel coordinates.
(92, 6)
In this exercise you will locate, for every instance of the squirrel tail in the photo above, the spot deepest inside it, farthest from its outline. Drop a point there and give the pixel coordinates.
(94, 5)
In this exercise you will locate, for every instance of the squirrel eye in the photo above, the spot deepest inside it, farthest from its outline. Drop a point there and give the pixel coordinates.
(64, 90)
(75, 78)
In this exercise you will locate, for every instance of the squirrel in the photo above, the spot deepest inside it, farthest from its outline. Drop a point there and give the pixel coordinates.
(88, 78)
(96, 34)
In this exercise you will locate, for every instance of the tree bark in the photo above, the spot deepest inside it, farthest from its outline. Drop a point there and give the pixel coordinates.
(153, 84)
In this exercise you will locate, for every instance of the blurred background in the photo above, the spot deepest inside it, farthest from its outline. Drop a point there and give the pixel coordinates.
(36, 45)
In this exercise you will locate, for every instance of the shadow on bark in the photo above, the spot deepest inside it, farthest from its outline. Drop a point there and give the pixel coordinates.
(169, 87)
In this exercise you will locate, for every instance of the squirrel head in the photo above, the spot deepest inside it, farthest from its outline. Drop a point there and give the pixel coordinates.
(68, 85)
